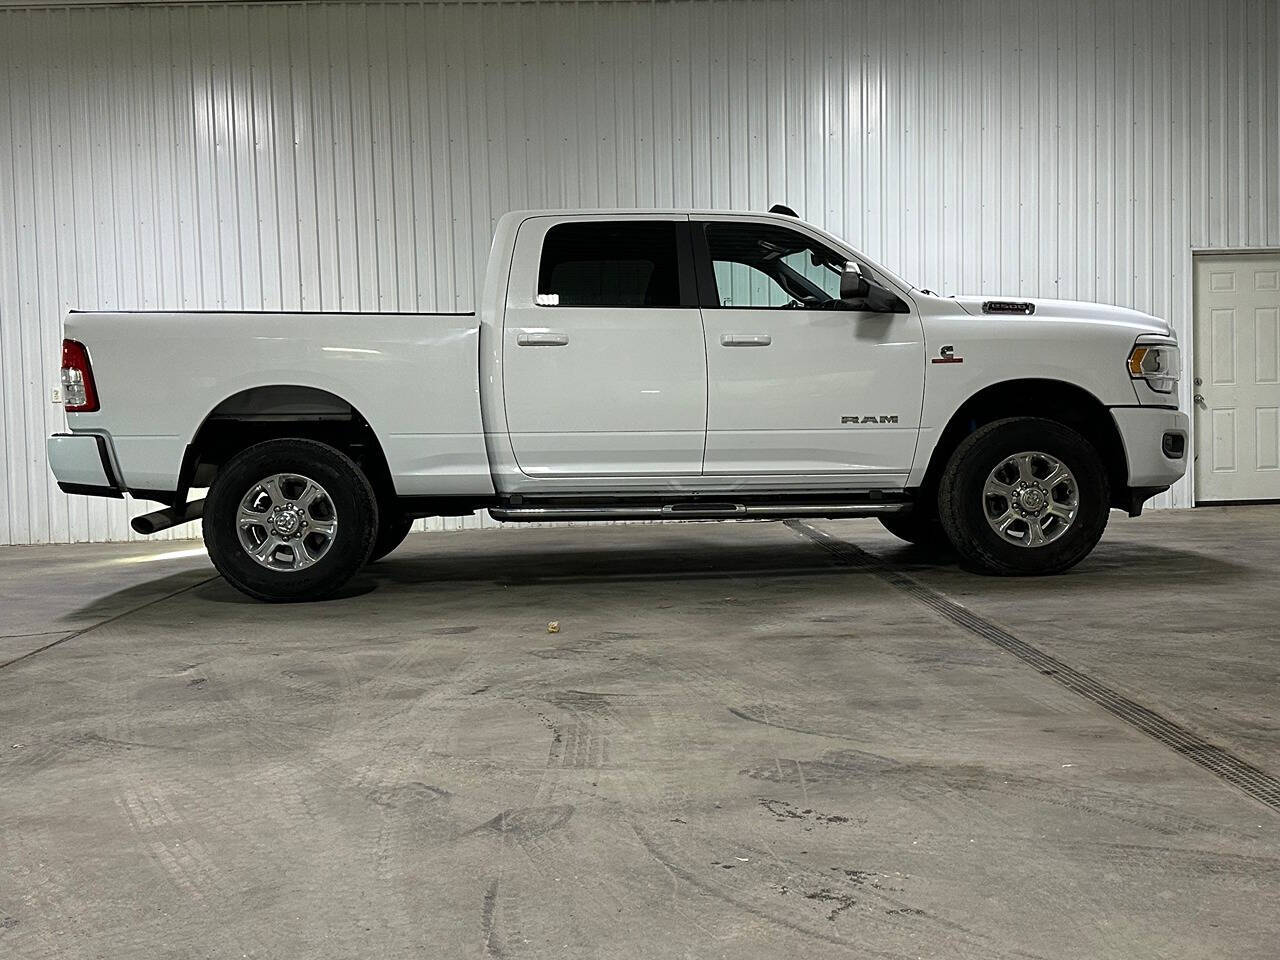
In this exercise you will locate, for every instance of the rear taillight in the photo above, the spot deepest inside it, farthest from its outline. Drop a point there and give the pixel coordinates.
(79, 395)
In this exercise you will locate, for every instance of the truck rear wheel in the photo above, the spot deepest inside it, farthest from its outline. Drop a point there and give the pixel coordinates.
(290, 520)
(1024, 496)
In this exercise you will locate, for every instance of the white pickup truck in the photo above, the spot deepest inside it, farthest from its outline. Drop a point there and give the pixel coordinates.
(630, 365)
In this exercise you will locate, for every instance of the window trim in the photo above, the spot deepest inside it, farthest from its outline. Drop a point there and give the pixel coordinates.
(708, 292)
(686, 275)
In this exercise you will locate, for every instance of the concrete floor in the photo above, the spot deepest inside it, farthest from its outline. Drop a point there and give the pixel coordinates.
(735, 746)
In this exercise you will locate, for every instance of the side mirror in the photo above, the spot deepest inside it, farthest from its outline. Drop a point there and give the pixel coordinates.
(853, 285)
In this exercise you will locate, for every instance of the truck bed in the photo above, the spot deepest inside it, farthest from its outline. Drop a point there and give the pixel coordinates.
(412, 376)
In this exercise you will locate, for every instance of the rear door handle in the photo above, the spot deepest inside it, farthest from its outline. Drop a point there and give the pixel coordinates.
(745, 340)
(543, 339)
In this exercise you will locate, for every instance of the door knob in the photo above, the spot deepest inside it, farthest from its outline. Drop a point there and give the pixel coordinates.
(1198, 398)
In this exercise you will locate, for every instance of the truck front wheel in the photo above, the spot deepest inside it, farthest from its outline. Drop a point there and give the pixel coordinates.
(290, 520)
(1024, 496)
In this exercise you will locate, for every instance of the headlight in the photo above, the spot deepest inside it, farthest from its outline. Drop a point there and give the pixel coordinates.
(1157, 363)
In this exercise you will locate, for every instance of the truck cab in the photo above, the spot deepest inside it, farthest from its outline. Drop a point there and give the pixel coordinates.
(706, 350)
(633, 365)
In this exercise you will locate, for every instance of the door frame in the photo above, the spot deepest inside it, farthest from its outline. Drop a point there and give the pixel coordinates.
(1189, 348)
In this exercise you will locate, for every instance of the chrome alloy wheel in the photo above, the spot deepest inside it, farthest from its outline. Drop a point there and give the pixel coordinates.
(1030, 499)
(286, 522)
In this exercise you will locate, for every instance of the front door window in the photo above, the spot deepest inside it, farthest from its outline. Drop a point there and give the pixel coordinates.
(763, 266)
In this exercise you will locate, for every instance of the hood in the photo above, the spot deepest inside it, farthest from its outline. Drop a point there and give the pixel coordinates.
(1083, 311)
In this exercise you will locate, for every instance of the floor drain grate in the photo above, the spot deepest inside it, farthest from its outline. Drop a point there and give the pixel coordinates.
(1218, 760)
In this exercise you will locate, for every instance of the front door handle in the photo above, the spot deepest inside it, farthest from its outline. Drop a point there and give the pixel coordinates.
(745, 340)
(548, 339)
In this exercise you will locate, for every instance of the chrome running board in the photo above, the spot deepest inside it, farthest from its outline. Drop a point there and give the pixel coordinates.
(693, 510)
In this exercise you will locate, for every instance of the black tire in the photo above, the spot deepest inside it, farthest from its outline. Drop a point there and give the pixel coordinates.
(962, 503)
(922, 529)
(347, 491)
(392, 530)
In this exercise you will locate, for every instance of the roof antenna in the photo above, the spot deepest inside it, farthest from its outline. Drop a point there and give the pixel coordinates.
(784, 210)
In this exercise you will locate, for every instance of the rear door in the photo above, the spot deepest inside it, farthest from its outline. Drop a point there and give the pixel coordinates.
(604, 368)
(799, 383)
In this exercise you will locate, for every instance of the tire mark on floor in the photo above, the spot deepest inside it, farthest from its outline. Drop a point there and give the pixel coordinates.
(744, 902)
(744, 715)
(1218, 760)
(954, 794)
(683, 854)
(164, 833)
(488, 910)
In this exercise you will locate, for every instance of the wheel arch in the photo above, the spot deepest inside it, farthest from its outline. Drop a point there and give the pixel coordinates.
(1058, 400)
(279, 411)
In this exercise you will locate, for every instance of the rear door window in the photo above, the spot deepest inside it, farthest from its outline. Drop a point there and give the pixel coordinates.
(634, 263)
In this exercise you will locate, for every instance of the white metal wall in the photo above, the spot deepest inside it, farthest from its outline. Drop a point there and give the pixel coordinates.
(354, 157)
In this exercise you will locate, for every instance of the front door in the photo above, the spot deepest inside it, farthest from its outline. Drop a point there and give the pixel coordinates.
(603, 367)
(799, 384)
(1237, 377)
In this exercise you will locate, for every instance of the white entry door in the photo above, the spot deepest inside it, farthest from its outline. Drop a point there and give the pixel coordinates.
(1237, 377)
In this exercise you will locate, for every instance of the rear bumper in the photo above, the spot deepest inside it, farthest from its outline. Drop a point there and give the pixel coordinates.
(1150, 435)
(81, 463)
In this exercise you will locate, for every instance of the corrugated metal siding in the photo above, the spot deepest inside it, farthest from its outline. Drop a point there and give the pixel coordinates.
(355, 157)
